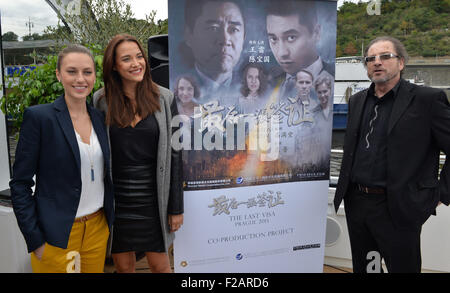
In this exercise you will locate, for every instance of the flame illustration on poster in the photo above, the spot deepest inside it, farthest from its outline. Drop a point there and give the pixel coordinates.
(256, 135)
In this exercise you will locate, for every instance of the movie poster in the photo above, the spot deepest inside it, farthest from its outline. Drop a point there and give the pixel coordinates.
(254, 84)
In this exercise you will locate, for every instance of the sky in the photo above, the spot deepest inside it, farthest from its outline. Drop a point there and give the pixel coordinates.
(17, 13)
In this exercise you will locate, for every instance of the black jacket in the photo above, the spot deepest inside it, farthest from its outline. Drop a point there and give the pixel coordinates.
(419, 128)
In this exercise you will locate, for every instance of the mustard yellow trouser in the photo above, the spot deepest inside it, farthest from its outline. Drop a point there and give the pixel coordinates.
(85, 253)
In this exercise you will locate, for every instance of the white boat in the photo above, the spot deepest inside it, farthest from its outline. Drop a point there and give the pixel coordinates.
(351, 77)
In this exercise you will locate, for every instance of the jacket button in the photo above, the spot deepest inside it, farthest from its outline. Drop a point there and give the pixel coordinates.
(161, 169)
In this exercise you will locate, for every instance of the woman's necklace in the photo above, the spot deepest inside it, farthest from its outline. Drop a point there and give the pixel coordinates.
(90, 155)
(89, 146)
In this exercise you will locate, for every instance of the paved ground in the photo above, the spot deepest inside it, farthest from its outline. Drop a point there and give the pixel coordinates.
(142, 267)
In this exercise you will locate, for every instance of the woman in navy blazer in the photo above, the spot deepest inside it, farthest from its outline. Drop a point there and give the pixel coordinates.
(65, 145)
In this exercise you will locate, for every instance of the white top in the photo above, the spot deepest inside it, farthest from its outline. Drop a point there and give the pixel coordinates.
(92, 192)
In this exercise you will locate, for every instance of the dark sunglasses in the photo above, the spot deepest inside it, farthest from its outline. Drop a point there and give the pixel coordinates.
(383, 57)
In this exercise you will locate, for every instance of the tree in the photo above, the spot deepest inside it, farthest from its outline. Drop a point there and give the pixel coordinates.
(10, 37)
(350, 49)
(108, 18)
(406, 27)
(111, 17)
(33, 37)
(421, 24)
(338, 50)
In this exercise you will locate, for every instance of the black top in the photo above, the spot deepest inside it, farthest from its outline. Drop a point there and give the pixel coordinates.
(135, 146)
(370, 162)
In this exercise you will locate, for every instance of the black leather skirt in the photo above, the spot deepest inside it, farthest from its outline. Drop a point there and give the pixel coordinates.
(137, 226)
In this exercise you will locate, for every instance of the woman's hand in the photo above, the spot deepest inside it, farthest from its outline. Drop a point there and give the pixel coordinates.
(175, 222)
(39, 251)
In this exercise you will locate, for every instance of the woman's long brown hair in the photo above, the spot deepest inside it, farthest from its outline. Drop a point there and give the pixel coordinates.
(120, 110)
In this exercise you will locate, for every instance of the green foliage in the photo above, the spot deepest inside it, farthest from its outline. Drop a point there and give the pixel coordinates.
(422, 25)
(111, 17)
(34, 37)
(10, 36)
(40, 86)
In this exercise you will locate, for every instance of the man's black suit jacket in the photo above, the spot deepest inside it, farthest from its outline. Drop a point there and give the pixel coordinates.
(419, 128)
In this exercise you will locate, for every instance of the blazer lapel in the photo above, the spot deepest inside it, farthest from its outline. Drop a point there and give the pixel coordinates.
(63, 117)
(404, 97)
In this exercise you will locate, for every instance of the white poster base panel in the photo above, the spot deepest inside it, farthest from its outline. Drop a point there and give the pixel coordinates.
(276, 228)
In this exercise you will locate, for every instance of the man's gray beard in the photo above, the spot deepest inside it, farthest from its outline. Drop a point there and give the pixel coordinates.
(382, 80)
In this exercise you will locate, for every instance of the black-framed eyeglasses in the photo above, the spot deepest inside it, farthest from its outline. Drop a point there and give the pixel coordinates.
(383, 57)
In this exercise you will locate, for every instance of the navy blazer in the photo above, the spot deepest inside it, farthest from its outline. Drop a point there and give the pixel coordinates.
(48, 148)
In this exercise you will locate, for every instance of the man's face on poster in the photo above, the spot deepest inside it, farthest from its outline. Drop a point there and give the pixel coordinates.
(292, 44)
(217, 37)
(303, 84)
